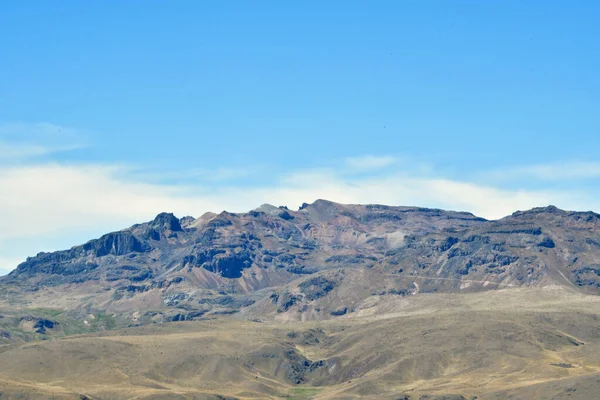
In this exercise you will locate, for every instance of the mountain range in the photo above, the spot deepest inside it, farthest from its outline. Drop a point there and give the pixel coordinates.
(318, 271)
(290, 262)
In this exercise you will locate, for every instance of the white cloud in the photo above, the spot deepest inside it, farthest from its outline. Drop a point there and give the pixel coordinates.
(48, 198)
(20, 151)
(559, 171)
(370, 162)
(216, 175)
(71, 202)
(44, 199)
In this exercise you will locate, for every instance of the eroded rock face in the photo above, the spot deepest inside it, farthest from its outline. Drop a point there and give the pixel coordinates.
(117, 243)
(166, 222)
(53, 264)
(81, 259)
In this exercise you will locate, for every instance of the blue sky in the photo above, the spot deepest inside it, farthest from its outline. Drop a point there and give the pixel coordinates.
(113, 111)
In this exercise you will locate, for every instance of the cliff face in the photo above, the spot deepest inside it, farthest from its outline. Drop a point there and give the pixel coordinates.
(324, 256)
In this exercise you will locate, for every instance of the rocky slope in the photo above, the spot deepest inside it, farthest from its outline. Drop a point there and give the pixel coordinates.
(323, 261)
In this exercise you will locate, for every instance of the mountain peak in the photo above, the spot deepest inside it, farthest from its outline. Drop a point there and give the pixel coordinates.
(166, 221)
(550, 209)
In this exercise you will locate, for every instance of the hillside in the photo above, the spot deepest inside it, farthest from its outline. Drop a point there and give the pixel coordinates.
(510, 343)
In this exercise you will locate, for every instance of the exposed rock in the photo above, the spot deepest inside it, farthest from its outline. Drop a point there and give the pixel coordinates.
(350, 259)
(131, 272)
(42, 324)
(298, 366)
(228, 301)
(141, 275)
(526, 231)
(195, 314)
(284, 301)
(177, 279)
(587, 276)
(547, 242)
(117, 243)
(166, 222)
(225, 312)
(178, 317)
(230, 266)
(286, 215)
(563, 365)
(401, 292)
(301, 270)
(46, 323)
(219, 221)
(316, 287)
(448, 243)
(174, 299)
(68, 262)
(339, 311)
(309, 337)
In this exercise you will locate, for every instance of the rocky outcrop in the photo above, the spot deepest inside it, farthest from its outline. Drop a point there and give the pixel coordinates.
(285, 300)
(229, 266)
(117, 243)
(339, 312)
(299, 367)
(316, 288)
(41, 325)
(81, 259)
(166, 222)
(228, 301)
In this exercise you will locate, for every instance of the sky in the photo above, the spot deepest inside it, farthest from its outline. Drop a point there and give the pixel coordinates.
(114, 111)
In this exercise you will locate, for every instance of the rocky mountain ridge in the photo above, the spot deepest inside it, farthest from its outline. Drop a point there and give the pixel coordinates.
(323, 261)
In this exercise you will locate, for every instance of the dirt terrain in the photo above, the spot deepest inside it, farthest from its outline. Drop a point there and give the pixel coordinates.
(512, 343)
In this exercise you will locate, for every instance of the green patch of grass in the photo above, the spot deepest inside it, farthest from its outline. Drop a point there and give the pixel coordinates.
(66, 325)
(73, 329)
(301, 393)
(45, 312)
(103, 321)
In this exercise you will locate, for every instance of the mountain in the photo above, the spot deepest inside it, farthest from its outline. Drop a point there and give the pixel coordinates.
(330, 301)
(323, 261)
